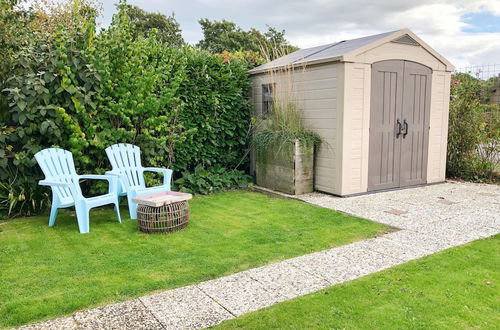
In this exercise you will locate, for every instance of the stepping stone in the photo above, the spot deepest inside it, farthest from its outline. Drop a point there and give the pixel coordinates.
(396, 212)
(446, 202)
(488, 194)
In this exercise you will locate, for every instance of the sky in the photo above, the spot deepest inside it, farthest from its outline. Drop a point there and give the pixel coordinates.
(466, 32)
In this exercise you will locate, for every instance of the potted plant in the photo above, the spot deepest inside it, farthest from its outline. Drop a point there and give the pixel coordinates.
(284, 150)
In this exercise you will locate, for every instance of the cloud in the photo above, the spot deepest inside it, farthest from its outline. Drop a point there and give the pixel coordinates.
(441, 23)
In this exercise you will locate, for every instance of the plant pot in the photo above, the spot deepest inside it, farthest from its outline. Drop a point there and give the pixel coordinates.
(287, 169)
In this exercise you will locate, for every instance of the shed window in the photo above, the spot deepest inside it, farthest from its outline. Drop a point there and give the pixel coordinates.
(267, 98)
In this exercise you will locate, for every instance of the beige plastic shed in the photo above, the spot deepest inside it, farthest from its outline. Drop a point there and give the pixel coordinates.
(380, 104)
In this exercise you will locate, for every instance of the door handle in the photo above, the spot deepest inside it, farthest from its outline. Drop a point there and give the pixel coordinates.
(400, 127)
(405, 128)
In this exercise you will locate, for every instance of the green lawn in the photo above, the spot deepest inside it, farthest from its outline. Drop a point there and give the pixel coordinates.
(48, 272)
(454, 289)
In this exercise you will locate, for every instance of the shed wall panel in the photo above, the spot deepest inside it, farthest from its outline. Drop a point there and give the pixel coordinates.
(355, 137)
(438, 126)
(315, 90)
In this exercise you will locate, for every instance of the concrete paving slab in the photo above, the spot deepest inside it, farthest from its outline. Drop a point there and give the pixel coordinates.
(56, 324)
(457, 234)
(287, 280)
(423, 241)
(185, 308)
(240, 293)
(394, 249)
(361, 259)
(489, 217)
(130, 314)
(344, 263)
(322, 265)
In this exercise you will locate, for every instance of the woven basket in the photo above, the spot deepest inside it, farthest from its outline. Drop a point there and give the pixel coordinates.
(165, 219)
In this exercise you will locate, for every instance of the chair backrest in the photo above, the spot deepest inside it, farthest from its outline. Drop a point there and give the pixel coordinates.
(126, 159)
(58, 166)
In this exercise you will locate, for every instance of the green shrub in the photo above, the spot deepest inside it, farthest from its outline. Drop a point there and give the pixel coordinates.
(469, 132)
(83, 92)
(214, 179)
(20, 196)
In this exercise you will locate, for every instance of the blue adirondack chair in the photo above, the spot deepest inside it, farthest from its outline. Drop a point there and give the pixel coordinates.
(60, 174)
(125, 160)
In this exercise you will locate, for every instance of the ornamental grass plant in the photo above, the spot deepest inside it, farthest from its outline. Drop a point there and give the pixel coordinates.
(283, 125)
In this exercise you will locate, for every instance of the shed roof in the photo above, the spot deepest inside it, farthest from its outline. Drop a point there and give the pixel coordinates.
(340, 51)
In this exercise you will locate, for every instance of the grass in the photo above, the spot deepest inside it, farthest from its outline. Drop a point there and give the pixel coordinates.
(48, 272)
(454, 289)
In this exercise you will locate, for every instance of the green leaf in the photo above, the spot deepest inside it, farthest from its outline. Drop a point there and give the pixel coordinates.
(21, 105)
(44, 126)
(76, 102)
(22, 118)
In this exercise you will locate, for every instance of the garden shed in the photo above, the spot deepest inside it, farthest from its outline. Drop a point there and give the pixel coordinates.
(380, 104)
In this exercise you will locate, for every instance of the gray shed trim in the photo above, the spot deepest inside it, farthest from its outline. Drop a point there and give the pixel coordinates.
(345, 51)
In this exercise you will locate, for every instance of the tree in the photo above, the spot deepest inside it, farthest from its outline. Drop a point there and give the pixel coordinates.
(220, 36)
(168, 29)
(225, 35)
(276, 44)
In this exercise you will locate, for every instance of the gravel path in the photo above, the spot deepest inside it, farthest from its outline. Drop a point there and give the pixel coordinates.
(430, 219)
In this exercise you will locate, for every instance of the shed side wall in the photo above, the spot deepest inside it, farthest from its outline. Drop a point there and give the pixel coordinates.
(315, 90)
(438, 132)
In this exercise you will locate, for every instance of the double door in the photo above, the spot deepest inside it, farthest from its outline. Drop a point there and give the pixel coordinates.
(399, 124)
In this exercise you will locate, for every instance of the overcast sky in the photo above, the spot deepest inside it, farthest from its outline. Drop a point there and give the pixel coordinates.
(464, 31)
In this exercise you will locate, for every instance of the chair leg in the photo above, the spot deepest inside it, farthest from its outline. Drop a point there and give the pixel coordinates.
(132, 208)
(117, 210)
(53, 214)
(82, 216)
(117, 203)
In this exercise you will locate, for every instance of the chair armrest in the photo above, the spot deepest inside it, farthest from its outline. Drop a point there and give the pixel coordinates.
(167, 173)
(122, 179)
(112, 180)
(54, 183)
(97, 177)
(70, 185)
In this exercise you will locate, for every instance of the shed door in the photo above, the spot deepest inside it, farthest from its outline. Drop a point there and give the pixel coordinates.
(386, 104)
(399, 124)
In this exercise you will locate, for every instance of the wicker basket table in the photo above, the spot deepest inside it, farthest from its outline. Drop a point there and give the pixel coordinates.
(163, 213)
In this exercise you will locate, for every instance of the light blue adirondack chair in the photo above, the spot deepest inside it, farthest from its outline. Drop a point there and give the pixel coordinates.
(126, 162)
(60, 174)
